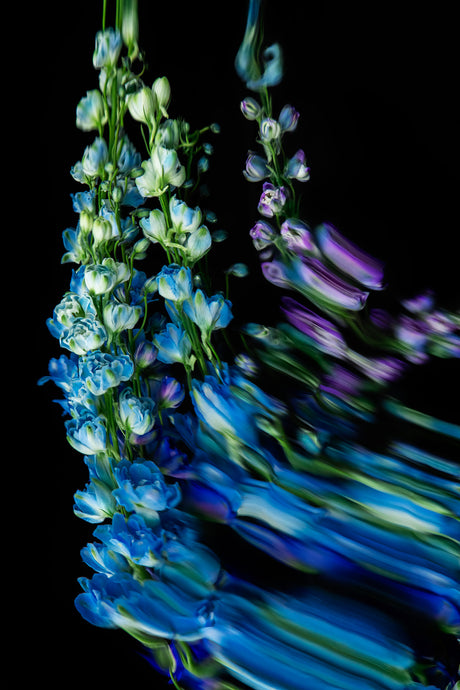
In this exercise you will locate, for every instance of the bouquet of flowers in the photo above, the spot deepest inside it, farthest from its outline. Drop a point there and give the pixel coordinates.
(191, 423)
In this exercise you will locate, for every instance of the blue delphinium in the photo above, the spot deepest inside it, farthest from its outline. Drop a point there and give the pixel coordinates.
(177, 431)
(101, 371)
(142, 489)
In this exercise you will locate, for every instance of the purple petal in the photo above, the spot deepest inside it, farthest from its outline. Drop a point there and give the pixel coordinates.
(297, 236)
(323, 332)
(320, 281)
(349, 258)
(275, 273)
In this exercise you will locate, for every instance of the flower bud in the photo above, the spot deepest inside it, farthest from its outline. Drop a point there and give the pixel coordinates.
(145, 354)
(118, 317)
(256, 168)
(99, 279)
(86, 222)
(246, 364)
(142, 106)
(137, 415)
(296, 167)
(262, 234)
(130, 27)
(269, 129)
(102, 230)
(170, 393)
(198, 243)
(117, 194)
(162, 91)
(141, 247)
(239, 270)
(250, 108)
(203, 164)
(288, 118)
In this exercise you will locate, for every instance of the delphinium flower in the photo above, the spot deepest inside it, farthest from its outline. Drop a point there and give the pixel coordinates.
(172, 432)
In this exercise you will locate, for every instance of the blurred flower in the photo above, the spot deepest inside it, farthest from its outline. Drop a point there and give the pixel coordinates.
(91, 113)
(130, 27)
(150, 610)
(349, 258)
(324, 334)
(424, 302)
(95, 503)
(297, 236)
(145, 354)
(218, 409)
(169, 393)
(107, 48)
(95, 158)
(276, 273)
(246, 364)
(239, 270)
(169, 134)
(142, 489)
(104, 560)
(247, 59)
(413, 334)
(324, 287)
(131, 538)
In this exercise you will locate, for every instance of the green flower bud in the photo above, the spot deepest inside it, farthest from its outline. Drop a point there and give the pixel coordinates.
(142, 106)
(162, 91)
(130, 28)
(250, 108)
(86, 222)
(117, 194)
(141, 247)
(102, 230)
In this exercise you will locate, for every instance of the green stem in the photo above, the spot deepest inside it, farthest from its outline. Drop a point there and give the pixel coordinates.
(104, 14)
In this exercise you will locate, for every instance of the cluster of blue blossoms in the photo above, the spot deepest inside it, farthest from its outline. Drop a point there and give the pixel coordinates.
(177, 430)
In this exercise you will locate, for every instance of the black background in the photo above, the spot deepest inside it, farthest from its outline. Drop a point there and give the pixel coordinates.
(376, 88)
